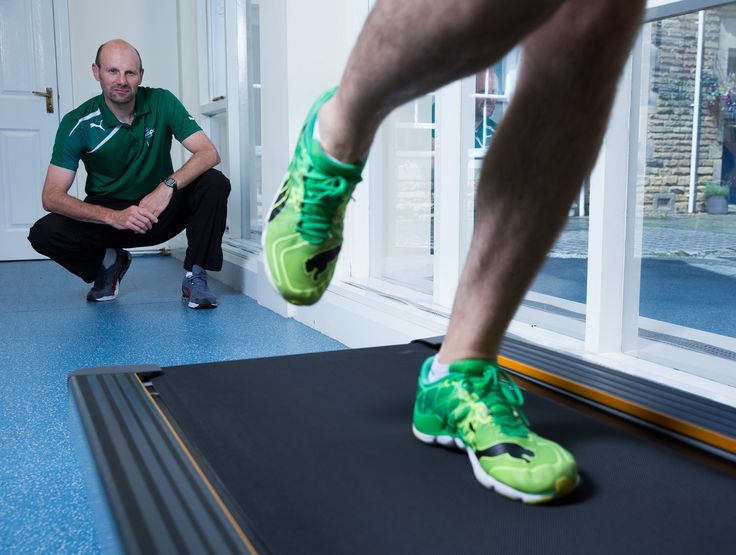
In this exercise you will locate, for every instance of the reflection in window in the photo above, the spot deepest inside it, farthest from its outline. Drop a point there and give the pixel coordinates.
(408, 203)
(408, 209)
(688, 248)
(565, 272)
(493, 90)
(488, 111)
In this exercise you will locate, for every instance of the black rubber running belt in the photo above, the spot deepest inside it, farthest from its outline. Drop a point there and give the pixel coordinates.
(317, 452)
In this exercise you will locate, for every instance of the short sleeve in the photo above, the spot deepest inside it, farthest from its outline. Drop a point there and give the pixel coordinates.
(182, 123)
(69, 144)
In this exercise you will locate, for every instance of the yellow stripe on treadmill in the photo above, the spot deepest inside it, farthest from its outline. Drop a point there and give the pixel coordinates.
(202, 475)
(649, 415)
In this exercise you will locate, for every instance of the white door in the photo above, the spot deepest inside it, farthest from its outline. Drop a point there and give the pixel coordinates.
(27, 129)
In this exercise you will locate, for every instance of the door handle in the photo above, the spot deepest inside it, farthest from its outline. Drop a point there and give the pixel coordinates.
(49, 95)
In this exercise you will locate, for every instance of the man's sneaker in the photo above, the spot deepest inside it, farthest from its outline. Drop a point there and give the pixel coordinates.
(476, 408)
(194, 290)
(303, 235)
(107, 282)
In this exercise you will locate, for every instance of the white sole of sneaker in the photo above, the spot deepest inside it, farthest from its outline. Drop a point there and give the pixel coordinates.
(108, 298)
(445, 441)
(484, 478)
(190, 304)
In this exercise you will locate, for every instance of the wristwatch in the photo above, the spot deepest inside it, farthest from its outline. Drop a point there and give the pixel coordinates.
(170, 182)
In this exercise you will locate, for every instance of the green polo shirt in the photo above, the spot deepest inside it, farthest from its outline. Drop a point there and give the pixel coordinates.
(123, 161)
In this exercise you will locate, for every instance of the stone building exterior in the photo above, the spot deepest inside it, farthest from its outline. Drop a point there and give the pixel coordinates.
(665, 175)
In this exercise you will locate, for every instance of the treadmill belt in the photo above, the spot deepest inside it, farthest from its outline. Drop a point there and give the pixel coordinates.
(316, 450)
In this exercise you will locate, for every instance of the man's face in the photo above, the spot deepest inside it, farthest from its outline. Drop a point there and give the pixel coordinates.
(484, 84)
(119, 73)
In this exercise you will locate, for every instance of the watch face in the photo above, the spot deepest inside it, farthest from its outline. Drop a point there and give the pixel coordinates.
(171, 182)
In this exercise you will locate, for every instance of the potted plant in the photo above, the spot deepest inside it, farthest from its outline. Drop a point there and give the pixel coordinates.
(720, 96)
(716, 197)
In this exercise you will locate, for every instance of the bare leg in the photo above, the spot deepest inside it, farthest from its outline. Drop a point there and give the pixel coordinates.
(408, 48)
(541, 152)
(545, 146)
(543, 149)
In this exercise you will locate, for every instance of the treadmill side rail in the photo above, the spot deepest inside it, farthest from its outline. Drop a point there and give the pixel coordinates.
(160, 500)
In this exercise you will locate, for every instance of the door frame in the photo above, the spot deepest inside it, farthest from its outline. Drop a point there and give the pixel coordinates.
(65, 96)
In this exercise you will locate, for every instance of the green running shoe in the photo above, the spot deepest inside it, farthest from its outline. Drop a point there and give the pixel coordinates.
(303, 235)
(476, 409)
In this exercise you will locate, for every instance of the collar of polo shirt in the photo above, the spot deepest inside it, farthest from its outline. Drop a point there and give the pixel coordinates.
(141, 108)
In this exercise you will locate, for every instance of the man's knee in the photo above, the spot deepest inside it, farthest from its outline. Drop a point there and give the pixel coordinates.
(40, 235)
(217, 183)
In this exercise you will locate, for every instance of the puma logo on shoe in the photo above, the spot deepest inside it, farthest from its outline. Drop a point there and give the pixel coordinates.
(320, 261)
(92, 124)
(516, 451)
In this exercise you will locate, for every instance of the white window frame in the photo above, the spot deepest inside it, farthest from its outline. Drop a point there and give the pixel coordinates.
(231, 110)
(361, 311)
(254, 150)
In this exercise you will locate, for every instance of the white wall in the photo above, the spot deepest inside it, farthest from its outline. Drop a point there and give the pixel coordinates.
(149, 26)
(318, 48)
(304, 47)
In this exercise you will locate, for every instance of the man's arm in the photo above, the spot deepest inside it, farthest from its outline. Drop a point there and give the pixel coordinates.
(204, 157)
(56, 198)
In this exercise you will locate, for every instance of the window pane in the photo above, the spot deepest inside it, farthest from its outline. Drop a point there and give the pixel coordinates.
(407, 215)
(492, 92)
(688, 269)
(254, 64)
(564, 274)
(216, 21)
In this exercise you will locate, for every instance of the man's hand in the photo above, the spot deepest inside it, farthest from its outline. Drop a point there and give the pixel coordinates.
(157, 200)
(56, 198)
(134, 218)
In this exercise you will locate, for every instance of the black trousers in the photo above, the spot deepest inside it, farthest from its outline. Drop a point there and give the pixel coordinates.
(200, 208)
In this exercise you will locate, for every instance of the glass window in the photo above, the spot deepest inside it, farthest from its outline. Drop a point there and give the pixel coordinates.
(408, 164)
(254, 81)
(564, 274)
(408, 195)
(216, 40)
(492, 92)
(687, 177)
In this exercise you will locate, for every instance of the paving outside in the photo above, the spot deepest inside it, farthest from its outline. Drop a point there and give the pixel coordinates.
(694, 238)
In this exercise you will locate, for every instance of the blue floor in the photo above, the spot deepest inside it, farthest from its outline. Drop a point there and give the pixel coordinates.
(49, 330)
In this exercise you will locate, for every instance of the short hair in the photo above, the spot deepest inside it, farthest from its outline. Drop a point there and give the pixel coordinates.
(97, 56)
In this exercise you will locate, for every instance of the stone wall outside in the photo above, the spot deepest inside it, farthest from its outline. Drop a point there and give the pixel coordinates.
(670, 114)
